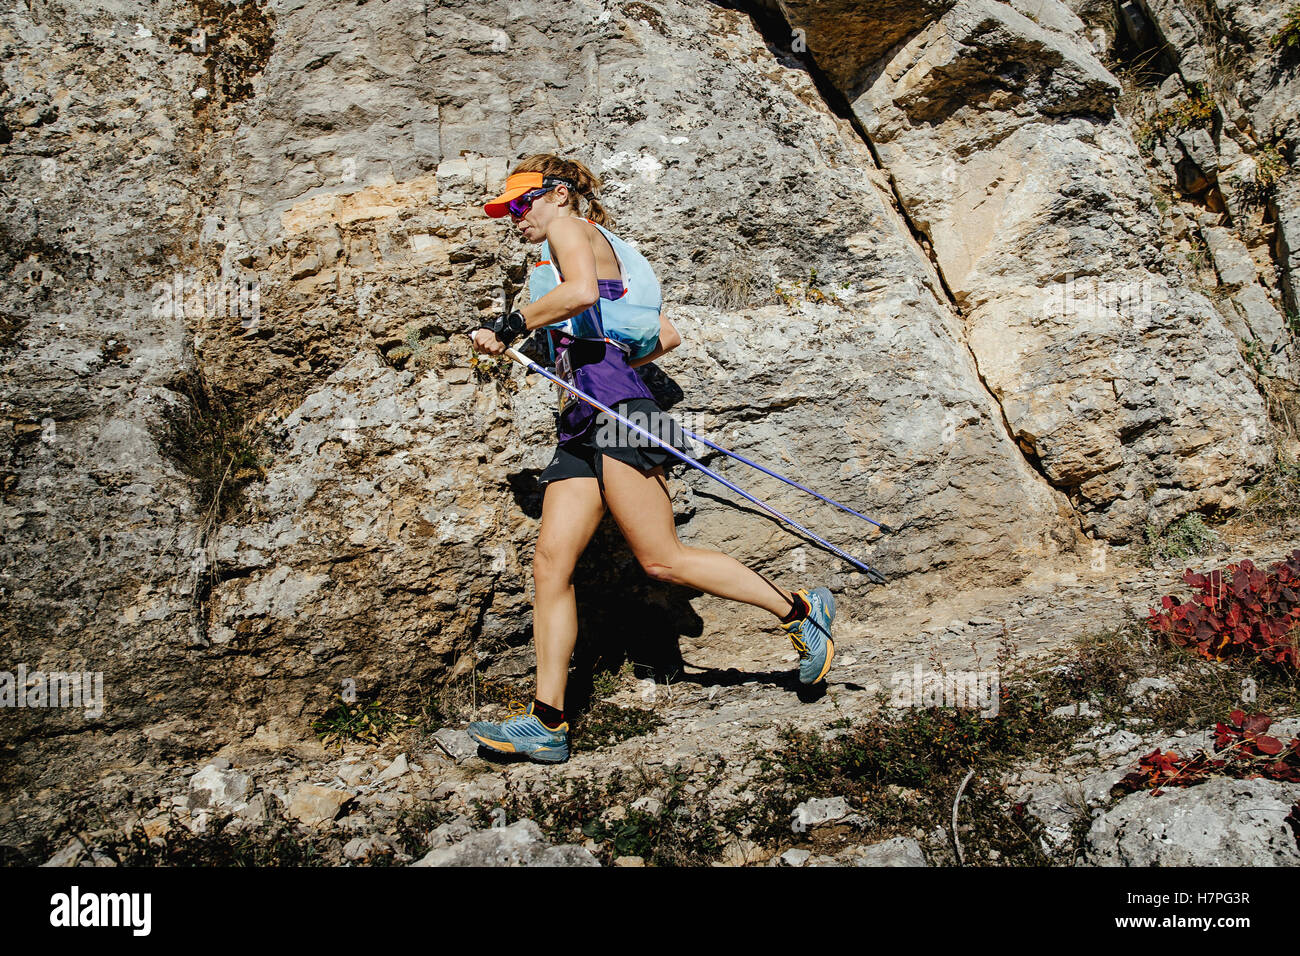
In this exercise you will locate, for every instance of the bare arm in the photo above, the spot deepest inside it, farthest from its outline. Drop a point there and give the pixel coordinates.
(579, 291)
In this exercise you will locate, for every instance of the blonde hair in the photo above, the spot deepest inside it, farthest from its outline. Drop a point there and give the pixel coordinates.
(548, 164)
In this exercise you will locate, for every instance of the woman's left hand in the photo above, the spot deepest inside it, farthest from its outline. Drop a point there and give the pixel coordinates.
(486, 341)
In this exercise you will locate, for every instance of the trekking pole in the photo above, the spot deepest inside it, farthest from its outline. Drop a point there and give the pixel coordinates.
(515, 356)
(884, 528)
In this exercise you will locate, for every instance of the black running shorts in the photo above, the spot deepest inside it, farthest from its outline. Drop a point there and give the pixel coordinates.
(582, 456)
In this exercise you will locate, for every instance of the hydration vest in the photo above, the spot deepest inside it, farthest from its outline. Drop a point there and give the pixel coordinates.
(631, 321)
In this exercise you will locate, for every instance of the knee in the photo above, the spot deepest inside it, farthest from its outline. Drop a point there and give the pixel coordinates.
(661, 567)
(551, 569)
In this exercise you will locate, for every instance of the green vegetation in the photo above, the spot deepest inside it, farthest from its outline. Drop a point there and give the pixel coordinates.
(1275, 498)
(808, 291)
(1270, 167)
(1287, 39)
(1191, 112)
(1185, 538)
(604, 725)
(224, 841)
(493, 368)
(214, 443)
(607, 682)
(413, 828)
(1197, 255)
(417, 348)
(673, 826)
(277, 843)
(1256, 356)
(369, 722)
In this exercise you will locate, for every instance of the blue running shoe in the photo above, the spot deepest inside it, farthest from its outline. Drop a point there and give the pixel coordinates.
(523, 732)
(811, 635)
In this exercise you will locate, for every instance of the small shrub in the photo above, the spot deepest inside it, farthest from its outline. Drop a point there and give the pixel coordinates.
(1275, 498)
(1178, 540)
(1270, 167)
(1247, 613)
(413, 827)
(216, 444)
(275, 843)
(678, 829)
(809, 291)
(1287, 39)
(607, 682)
(1190, 112)
(1257, 357)
(416, 348)
(604, 725)
(740, 285)
(493, 368)
(370, 722)
(1242, 748)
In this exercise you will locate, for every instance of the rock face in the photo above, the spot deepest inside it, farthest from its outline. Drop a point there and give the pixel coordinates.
(978, 331)
(98, 566)
(1001, 136)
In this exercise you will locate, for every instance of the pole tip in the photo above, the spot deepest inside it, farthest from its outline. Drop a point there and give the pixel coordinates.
(877, 577)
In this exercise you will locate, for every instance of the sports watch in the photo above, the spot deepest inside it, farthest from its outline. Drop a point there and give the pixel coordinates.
(508, 327)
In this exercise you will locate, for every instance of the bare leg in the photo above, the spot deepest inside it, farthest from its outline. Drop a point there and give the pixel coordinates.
(643, 509)
(571, 512)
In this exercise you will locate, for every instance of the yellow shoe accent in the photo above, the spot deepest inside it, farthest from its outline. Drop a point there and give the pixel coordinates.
(501, 745)
(830, 656)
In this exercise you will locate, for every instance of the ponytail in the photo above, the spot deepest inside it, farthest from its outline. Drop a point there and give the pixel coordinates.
(548, 164)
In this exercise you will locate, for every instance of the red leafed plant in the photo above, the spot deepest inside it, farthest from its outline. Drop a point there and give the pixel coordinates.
(1251, 748)
(1242, 748)
(1246, 612)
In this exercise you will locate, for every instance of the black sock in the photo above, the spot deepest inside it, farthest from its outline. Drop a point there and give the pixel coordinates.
(798, 609)
(547, 714)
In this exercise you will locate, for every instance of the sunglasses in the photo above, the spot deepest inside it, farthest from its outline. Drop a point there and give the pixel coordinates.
(521, 205)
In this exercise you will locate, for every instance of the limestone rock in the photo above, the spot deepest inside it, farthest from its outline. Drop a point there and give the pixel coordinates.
(820, 810)
(456, 743)
(315, 805)
(1222, 822)
(519, 844)
(221, 789)
(1082, 339)
(898, 851)
(398, 768)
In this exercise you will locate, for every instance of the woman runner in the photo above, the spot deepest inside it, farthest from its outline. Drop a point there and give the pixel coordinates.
(599, 464)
